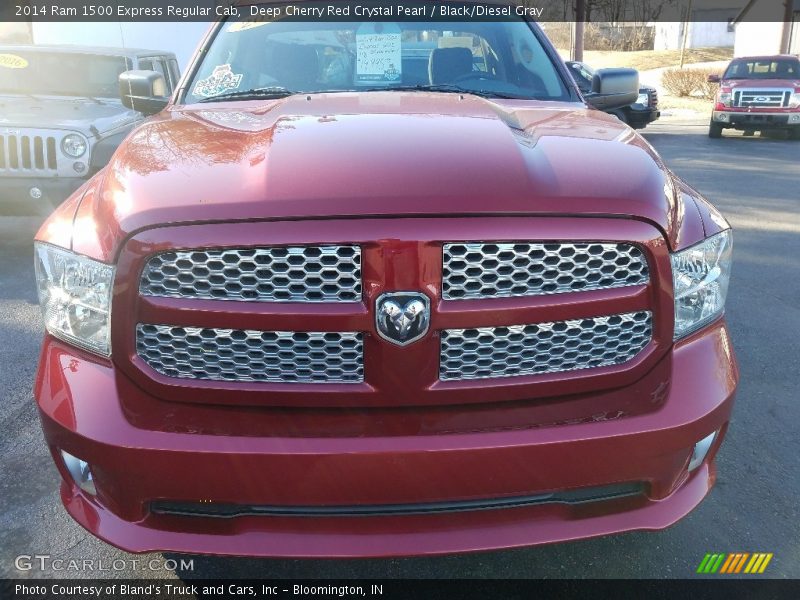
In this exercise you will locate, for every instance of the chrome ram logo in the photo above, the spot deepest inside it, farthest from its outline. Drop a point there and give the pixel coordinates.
(402, 317)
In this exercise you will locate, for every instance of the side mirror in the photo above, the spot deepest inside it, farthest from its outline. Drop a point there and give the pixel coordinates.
(713, 79)
(613, 88)
(143, 91)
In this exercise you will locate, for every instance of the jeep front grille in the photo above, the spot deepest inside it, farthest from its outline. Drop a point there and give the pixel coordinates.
(28, 153)
(488, 352)
(276, 274)
(499, 270)
(246, 355)
(770, 98)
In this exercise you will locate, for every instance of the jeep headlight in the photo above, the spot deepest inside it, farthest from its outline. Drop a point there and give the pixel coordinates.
(74, 145)
(643, 99)
(75, 296)
(700, 277)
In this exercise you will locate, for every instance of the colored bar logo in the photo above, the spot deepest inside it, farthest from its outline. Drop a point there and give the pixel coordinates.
(735, 562)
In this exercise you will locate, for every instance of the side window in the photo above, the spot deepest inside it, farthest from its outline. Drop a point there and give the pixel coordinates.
(174, 71)
(157, 64)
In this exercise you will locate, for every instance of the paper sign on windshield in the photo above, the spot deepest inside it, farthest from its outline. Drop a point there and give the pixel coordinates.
(379, 54)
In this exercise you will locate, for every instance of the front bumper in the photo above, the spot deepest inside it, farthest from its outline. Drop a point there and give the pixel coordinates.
(639, 119)
(16, 191)
(81, 412)
(756, 120)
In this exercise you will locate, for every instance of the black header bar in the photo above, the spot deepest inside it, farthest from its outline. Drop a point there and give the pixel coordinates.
(597, 11)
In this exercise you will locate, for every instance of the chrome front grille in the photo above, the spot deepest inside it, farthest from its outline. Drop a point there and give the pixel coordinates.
(246, 355)
(28, 153)
(769, 98)
(489, 352)
(497, 270)
(276, 274)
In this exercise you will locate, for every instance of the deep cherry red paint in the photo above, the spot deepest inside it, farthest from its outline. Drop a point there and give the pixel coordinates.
(399, 174)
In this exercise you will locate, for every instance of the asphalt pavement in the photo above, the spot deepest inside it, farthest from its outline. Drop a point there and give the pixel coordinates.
(753, 508)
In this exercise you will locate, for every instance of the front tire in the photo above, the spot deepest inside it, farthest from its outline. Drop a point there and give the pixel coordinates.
(621, 116)
(714, 130)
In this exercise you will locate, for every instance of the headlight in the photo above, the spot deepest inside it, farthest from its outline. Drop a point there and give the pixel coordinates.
(74, 145)
(724, 98)
(794, 101)
(643, 99)
(700, 277)
(75, 296)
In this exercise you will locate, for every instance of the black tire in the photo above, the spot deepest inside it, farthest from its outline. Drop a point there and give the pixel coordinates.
(621, 116)
(714, 130)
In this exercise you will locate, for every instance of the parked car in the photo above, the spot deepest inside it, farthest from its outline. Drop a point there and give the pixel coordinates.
(61, 117)
(312, 308)
(638, 115)
(758, 93)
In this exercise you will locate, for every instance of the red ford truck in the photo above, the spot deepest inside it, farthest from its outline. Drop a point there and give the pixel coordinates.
(758, 93)
(382, 289)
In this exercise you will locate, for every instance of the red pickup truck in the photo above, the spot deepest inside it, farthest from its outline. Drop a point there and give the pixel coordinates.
(758, 93)
(387, 289)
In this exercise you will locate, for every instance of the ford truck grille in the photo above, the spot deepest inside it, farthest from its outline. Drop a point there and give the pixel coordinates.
(498, 270)
(246, 355)
(488, 352)
(28, 153)
(772, 98)
(279, 274)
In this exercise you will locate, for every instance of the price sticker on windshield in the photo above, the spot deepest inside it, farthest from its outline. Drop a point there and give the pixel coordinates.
(378, 54)
(12, 61)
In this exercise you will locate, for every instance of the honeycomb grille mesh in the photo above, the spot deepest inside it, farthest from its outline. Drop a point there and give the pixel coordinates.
(246, 355)
(278, 274)
(498, 270)
(554, 347)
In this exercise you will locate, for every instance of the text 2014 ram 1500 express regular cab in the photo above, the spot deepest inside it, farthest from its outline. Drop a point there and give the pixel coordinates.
(371, 289)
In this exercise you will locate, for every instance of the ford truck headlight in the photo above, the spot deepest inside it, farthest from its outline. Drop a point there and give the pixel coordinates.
(75, 296)
(74, 145)
(700, 277)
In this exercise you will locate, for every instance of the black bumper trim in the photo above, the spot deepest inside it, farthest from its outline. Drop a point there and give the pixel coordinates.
(227, 511)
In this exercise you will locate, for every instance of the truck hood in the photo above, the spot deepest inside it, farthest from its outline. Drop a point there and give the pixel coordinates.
(377, 154)
(755, 84)
(61, 112)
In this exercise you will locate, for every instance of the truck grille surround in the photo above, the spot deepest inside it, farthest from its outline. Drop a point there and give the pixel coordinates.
(762, 98)
(284, 278)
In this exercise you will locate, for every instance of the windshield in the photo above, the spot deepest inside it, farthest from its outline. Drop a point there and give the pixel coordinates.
(764, 69)
(61, 74)
(501, 59)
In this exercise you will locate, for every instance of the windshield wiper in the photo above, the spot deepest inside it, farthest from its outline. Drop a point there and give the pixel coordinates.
(255, 93)
(448, 88)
